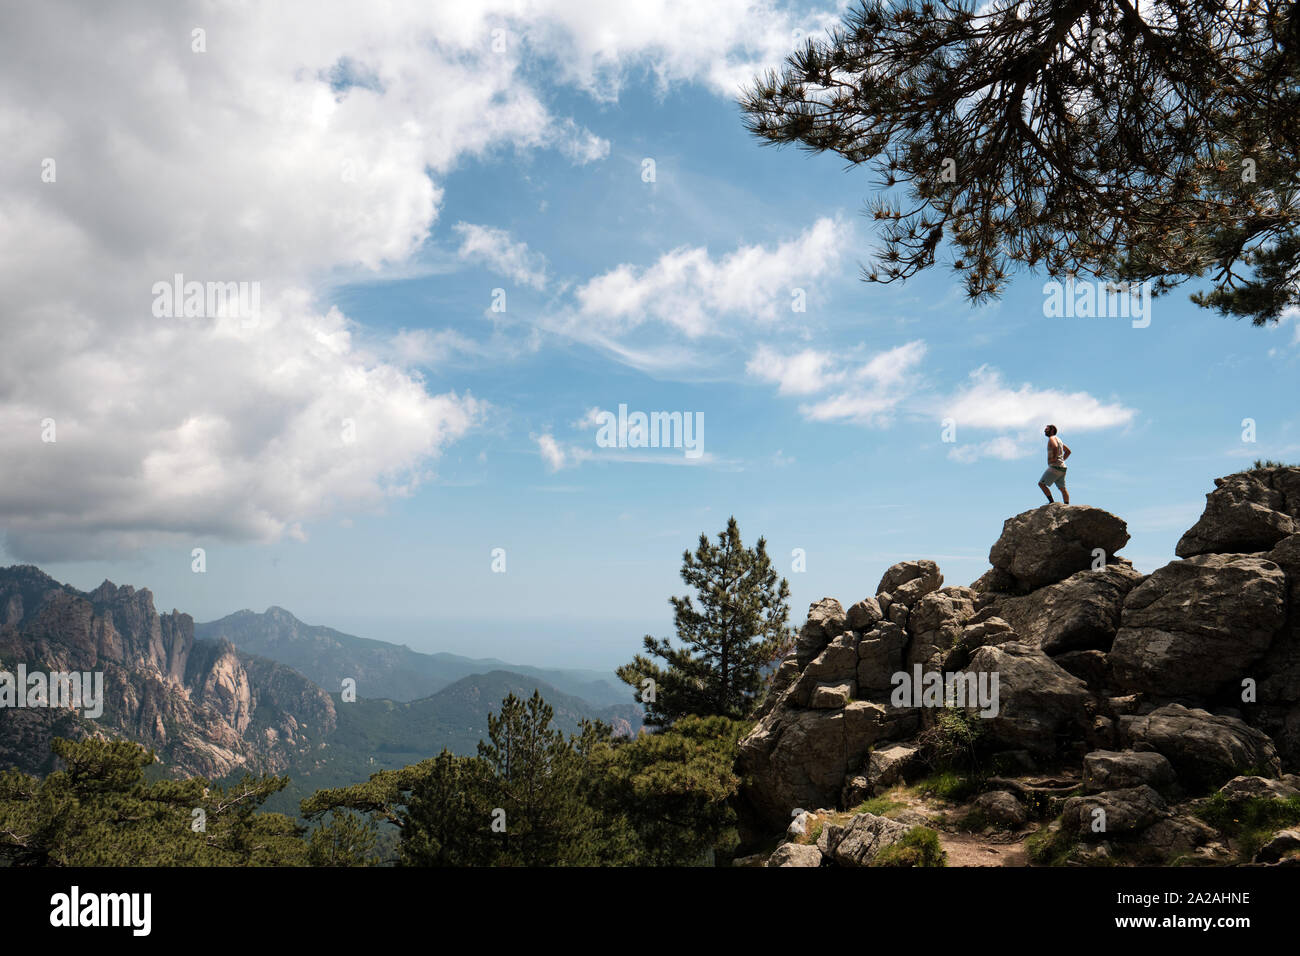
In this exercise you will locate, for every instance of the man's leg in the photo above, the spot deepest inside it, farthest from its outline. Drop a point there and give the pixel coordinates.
(1047, 491)
(1065, 495)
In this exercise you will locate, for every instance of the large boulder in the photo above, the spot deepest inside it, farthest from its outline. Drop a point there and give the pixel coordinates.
(1204, 748)
(936, 621)
(1249, 511)
(795, 854)
(826, 621)
(1123, 769)
(1080, 613)
(1196, 626)
(1037, 701)
(1052, 542)
(1113, 812)
(859, 842)
(865, 615)
(1002, 808)
(909, 581)
(798, 758)
(836, 664)
(1246, 788)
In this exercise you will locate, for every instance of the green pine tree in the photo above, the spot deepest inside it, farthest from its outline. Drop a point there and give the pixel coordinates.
(443, 823)
(539, 818)
(1129, 142)
(99, 810)
(673, 789)
(729, 640)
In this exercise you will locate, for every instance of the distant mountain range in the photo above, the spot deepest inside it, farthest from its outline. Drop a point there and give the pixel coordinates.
(260, 692)
(382, 669)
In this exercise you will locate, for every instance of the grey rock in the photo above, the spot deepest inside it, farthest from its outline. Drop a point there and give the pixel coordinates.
(1242, 788)
(798, 758)
(860, 841)
(795, 854)
(828, 696)
(1052, 542)
(880, 656)
(864, 615)
(836, 663)
(826, 620)
(1121, 770)
(890, 765)
(1204, 748)
(1284, 843)
(1246, 512)
(1002, 808)
(1037, 700)
(909, 581)
(1198, 625)
(1080, 613)
(1125, 812)
(1176, 836)
(936, 622)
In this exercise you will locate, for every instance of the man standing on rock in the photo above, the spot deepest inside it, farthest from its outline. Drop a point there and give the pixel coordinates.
(1057, 452)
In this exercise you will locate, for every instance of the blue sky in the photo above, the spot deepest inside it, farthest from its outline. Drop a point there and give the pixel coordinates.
(822, 428)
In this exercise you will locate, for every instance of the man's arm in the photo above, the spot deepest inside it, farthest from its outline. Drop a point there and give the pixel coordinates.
(1066, 448)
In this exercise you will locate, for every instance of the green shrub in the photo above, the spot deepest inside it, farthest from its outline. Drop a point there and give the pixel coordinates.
(1050, 847)
(880, 806)
(920, 847)
(1249, 820)
(949, 785)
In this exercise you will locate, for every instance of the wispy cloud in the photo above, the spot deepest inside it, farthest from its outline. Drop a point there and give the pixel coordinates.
(499, 251)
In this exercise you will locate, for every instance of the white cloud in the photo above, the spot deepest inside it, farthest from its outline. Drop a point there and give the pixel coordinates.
(875, 390)
(987, 402)
(309, 140)
(553, 453)
(501, 254)
(802, 373)
(723, 43)
(280, 156)
(890, 383)
(1002, 448)
(689, 291)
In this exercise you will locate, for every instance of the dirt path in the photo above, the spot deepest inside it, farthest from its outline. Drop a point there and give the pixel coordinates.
(972, 849)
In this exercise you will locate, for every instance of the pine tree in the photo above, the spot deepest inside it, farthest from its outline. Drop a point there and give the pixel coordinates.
(1155, 142)
(673, 789)
(541, 819)
(99, 810)
(444, 823)
(738, 630)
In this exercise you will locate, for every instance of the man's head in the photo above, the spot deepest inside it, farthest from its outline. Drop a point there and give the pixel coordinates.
(1049, 431)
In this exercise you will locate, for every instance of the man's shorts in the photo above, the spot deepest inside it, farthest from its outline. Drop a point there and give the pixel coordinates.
(1053, 476)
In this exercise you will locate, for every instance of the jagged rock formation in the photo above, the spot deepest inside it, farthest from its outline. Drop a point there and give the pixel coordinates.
(1249, 511)
(1149, 689)
(204, 707)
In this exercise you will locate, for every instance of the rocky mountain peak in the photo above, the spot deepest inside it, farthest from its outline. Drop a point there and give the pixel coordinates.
(1180, 680)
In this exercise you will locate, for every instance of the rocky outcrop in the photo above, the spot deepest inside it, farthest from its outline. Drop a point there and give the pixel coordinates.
(1201, 746)
(1041, 708)
(1113, 812)
(1159, 688)
(1122, 770)
(860, 841)
(1050, 543)
(1198, 625)
(1080, 613)
(1246, 512)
